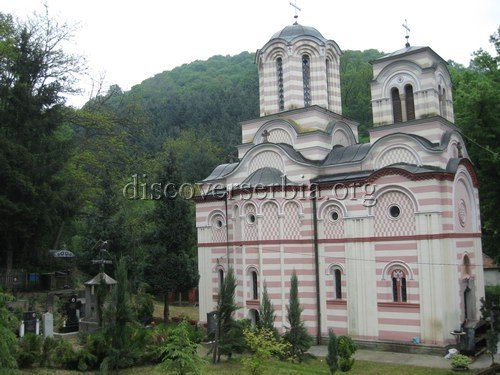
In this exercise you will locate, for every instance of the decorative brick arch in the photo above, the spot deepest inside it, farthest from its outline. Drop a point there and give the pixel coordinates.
(385, 224)
(389, 267)
(264, 159)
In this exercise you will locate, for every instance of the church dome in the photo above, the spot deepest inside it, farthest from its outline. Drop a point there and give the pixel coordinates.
(291, 32)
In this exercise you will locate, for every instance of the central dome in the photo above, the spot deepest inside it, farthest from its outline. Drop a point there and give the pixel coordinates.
(293, 31)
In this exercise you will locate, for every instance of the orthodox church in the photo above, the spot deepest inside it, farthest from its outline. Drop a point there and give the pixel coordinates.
(384, 236)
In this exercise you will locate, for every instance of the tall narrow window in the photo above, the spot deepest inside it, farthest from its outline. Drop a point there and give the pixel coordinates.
(281, 93)
(410, 103)
(443, 103)
(255, 291)
(221, 278)
(306, 77)
(398, 286)
(338, 284)
(328, 81)
(396, 105)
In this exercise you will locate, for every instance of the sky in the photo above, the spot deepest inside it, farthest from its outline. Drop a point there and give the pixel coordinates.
(127, 42)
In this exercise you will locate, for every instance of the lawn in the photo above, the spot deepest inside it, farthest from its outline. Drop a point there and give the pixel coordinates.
(311, 367)
(191, 312)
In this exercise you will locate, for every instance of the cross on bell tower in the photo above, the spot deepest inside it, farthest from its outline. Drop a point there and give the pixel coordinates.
(297, 9)
(407, 36)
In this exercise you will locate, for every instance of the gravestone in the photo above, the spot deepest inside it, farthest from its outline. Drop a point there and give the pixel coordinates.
(48, 324)
(211, 322)
(72, 321)
(29, 319)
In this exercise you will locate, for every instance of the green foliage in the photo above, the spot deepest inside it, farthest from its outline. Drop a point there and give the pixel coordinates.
(31, 350)
(356, 72)
(266, 313)
(178, 353)
(346, 349)
(460, 361)
(297, 334)
(171, 263)
(263, 345)
(8, 324)
(229, 333)
(143, 305)
(477, 103)
(490, 312)
(332, 357)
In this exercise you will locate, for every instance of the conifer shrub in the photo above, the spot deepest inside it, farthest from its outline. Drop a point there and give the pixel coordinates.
(178, 352)
(346, 349)
(332, 359)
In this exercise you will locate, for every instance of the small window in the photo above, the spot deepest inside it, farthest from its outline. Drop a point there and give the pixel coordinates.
(334, 215)
(306, 78)
(218, 223)
(399, 286)
(466, 266)
(255, 290)
(338, 284)
(410, 103)
(281, 92)
(221, 278)
(396, 105)
(251, 219)
(328, 81)
(394, 211)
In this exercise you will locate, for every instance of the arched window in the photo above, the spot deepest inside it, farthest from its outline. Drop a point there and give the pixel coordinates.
(306, 77)
(398, 285)
(338, 284)
(443, 103)
(396, 105)
(410, 103)
(281, 92)
(466, 268)
(328, 81)
(221, 277)
(255, 290)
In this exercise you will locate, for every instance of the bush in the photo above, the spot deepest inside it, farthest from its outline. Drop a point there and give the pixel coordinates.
(346, 349)
(31, 350)
(263, 345)
(143, 304)
(9, 323)
(178, 353)
(460, 361)
(332, 359)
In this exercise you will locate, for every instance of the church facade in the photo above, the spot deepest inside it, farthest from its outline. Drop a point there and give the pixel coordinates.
(384, 236)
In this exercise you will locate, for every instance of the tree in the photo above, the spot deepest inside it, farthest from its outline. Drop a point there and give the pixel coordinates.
(9, 344)
(35, 73)
(178, 353)
(263, 345)
(346, 349)
(225, 339)
(332, 358)
(490, 312)
(119, 317)
(477, 104)
(297, 334)
(171, 264)
(266, 313)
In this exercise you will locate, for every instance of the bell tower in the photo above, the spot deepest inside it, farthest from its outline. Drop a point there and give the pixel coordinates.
(298, 68)
(410, 84)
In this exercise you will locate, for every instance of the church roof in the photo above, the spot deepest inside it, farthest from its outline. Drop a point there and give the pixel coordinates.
(407, 51)
(291, 32)
(341, 154)
(266, 177)
(220, 171)
(349, 176)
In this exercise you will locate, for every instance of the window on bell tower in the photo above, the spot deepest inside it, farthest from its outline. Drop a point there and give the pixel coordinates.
(306, 76)
(328, 81)
(410, 103)
(396, 105)
(281, 93)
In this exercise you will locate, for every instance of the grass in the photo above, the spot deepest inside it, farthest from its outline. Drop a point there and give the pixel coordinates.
(191, 312)
(310, 367)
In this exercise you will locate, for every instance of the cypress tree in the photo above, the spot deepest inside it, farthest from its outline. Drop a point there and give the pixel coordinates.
(297, 334)
(266, 313)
